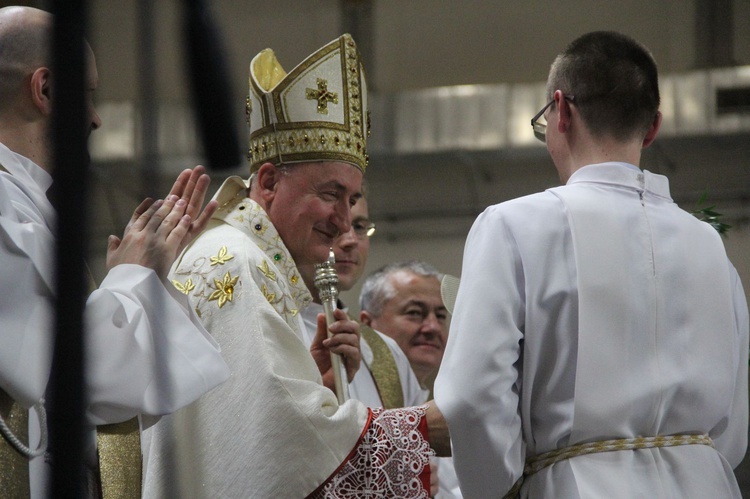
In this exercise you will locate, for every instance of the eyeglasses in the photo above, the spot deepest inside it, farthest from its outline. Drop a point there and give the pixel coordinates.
(363, 228)
(540, 129)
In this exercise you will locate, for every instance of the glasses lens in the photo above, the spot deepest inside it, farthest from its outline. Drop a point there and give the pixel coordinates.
(540, 131)
(539, 124)
(363, 229)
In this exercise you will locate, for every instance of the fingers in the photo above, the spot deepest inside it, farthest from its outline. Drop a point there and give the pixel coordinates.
(154, 224)
(139, 213)
(113, 242)
(176, 237)
(196, 191)
(345, 342)
(192, 185)
(181, 183)
(200, 223)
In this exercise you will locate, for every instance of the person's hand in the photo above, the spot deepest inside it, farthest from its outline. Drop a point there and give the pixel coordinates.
(437, 429)
(158, 231)
(153, 237)
(345, 342)
(434, 482)
(191, 186)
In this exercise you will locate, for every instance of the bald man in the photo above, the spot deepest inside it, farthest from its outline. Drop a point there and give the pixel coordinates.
(146, 351)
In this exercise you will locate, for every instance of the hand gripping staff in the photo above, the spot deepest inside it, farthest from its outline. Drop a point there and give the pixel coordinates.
(327, 281)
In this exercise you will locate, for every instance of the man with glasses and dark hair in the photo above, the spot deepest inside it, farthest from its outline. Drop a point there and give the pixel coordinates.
(599, 341)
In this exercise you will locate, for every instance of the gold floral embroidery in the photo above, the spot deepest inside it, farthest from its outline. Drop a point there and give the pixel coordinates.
(222, 258)
(224, 289)
(184, 288)
(266, 271)
(271, 297)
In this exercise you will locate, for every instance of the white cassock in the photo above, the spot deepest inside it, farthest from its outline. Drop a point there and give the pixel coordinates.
(147, 352)
(273, 429)
(596, 310)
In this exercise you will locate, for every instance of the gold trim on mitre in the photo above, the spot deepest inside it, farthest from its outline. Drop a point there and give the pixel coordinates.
(316, 112)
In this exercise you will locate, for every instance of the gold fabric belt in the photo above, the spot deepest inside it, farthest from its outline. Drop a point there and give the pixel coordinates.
(537, 463)
(14, 467)
(119, 447)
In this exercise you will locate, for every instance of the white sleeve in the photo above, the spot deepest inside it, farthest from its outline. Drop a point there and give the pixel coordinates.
(26, 304)
(732, 441)
(476, 388)
(147, 353)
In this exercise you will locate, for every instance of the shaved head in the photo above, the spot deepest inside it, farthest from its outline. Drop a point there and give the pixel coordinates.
(24, 42)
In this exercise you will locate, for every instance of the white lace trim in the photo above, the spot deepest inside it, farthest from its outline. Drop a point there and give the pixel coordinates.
(388, 461)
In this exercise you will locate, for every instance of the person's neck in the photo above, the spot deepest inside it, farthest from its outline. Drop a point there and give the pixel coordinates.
(602, 151)
(28, 141)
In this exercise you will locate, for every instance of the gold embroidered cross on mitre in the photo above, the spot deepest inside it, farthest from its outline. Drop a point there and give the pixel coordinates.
(322, 95)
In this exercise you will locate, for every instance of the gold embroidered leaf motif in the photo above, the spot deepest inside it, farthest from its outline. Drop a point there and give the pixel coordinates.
(271, 297)
(224, 289)
(184, 288)
(266, 270)
(222, 258)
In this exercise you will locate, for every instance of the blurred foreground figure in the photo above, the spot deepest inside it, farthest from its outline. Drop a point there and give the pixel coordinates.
(146, 351)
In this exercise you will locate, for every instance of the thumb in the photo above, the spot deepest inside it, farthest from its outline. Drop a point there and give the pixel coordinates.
(113, 242)
(321, 333)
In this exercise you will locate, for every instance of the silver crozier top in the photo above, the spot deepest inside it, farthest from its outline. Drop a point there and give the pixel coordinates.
(326, 280)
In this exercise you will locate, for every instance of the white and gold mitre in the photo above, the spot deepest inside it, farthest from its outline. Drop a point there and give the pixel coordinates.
(316, 112)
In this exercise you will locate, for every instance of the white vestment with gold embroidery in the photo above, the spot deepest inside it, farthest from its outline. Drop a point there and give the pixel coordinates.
(273, 429)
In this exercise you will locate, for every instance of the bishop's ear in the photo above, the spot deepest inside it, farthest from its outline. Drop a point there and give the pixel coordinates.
(267, 180)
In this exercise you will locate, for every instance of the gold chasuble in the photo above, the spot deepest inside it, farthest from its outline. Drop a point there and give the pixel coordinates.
(383, 369)
(119, 447)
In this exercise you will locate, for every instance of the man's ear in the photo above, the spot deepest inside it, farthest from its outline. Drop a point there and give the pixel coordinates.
(563, 110)
(365, 318)
(267, 180)
(653, 129)
(41, 90)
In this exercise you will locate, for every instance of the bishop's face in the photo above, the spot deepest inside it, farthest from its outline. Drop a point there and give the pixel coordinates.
(311, 207)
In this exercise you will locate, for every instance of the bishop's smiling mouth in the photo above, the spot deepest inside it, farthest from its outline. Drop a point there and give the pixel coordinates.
(327, 234)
